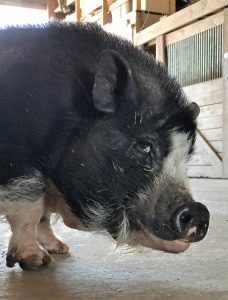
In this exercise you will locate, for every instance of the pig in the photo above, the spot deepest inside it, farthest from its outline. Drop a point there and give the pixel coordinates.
(97, 131)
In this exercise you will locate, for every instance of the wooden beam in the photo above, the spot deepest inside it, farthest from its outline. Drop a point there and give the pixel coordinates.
(117, 4)
(209, 86)
(225, 99)
(51, 6)
(207, 98)
(206, 93)
(104, 12)
(180, 19)
(195, 28)
(78, 10)
(172, 6)
(136, 5)
(160, 49)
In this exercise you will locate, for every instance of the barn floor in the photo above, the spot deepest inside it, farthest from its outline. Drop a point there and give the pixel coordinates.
(95, 270)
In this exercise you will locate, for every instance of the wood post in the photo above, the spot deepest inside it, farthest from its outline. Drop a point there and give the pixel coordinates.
(136, 5)
(172, 6)
(160, 49)
(225, 97)
(104, 12)
(51, 6)
(78, 10)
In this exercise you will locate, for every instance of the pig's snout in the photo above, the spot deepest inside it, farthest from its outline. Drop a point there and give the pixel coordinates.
(190, 221)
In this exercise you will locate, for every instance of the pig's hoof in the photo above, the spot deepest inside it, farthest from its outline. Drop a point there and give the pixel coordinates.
(56, 247)
(28, 261)
(34, 262)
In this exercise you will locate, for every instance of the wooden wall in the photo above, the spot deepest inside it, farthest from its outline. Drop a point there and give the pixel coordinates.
(207, 161)
(211, 159)
(209, 96)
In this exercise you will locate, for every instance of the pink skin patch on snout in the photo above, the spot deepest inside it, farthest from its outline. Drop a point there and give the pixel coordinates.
(148, 239)
(192, 231)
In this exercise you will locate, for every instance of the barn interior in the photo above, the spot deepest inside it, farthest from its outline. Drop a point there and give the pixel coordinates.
(191, 38)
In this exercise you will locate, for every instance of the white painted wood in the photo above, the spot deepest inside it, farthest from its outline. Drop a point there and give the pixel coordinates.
(199, 160)
(207, 98)
(206, 162)
(213, 134)
(204, 87)
(211, 110)
(210, 122)
(217, 145)
(209, 145)
(202, 171)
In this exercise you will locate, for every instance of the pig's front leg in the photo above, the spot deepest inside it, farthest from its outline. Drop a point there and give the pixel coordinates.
(47, 237)
(23, 246)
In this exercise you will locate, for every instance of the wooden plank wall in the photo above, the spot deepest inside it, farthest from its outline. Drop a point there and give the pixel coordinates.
(205, 163)
(225, 95)
(209, 96)
(211, 159)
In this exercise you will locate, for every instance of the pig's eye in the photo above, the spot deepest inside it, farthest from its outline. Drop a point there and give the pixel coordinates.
(144, 148)
(142, 153)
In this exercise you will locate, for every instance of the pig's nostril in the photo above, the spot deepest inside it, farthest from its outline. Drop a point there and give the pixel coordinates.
(201, 228)
(188, 217)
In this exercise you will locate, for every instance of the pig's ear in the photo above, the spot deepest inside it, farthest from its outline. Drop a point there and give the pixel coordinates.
(195, 109)
(113, 78)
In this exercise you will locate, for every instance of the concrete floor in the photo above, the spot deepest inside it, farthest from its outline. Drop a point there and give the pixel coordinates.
(95, 270)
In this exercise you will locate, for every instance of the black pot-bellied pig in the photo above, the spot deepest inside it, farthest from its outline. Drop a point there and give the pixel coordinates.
(94, 129)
